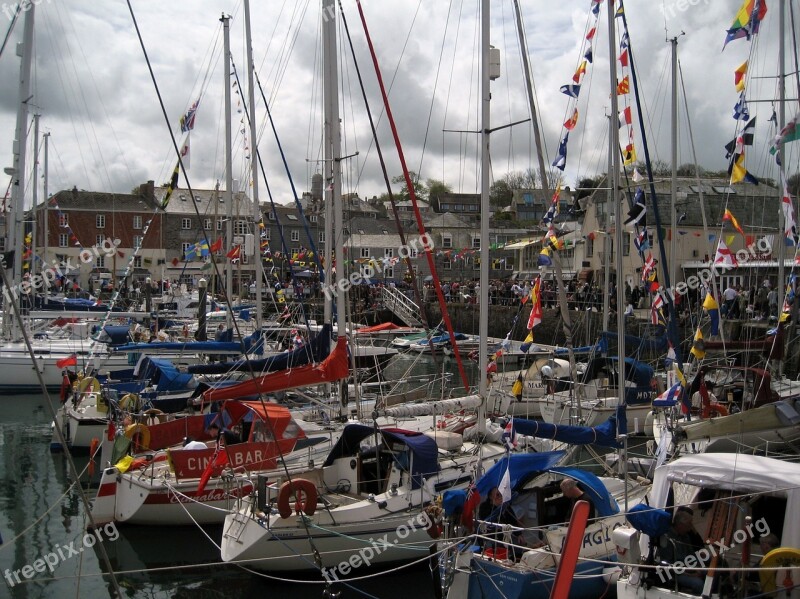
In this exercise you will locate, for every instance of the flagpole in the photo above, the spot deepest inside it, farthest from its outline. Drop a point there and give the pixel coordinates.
(226, 73)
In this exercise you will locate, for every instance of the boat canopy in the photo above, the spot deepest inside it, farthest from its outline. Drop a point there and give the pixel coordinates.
(115, 334)
(208, 347)
(315, 350)
(604, 434)
(424, 452)
(164, 375)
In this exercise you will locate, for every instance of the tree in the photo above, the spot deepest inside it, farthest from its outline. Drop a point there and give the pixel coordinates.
(793, 183)
(690, 170)
(436, 189)
(587, 185)
(419, 187)
(500, 194)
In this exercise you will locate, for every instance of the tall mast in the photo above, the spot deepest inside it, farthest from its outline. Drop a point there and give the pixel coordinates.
(251, 100)
(329, 91)
(483, 296)
(35, 193)
(226, 75)
(46, 199)
(674, 148)
(15, 233)
(607, 241)
(781, 124)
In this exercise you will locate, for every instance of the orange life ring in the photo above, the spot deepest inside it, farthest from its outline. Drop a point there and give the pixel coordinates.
(139, 435)
(713, 408)
(305, 494)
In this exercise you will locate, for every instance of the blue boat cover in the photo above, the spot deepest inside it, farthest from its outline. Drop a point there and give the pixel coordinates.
(167, 377)
(604, 503)
(651, 521)
(604, 434)
(314, 351)
(519, 466)
(208, 347)
(424, 453)
(115, 334)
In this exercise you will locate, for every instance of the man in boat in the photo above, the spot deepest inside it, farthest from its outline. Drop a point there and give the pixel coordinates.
(572, 491)
(495, 510)
(680, 542)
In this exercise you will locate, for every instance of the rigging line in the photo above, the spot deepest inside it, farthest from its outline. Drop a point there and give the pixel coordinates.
(10, 28)
(398, 224)
(433, 95)
(178, 152)
(57, 429)
(412, 194)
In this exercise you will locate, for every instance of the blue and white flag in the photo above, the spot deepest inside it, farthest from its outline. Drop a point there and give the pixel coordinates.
(561, 160)
(670, 397)
(508, 436)
(741, 112)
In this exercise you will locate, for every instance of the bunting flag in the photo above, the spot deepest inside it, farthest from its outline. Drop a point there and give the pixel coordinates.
(741, 112)
(235, 253)
(642, 241)
(739, 173)
(629, 155)
(216, 246)
(590, 35)
(572, 121)
(649, 267)
(596, 7)
(711, 306)
(625, 117)
(579, 73)
(732, 219)
(739, 76)
(747, 20)
(624, 86)
(68, 361)
(544, 258)
(670, 397)
(745, 138)
(639, 210)
(518, 387)
(509, 439)
(571, 90)
(698, 346)
(637, 176)
(203, 248)
(536, 304)
(588, 55)
(656, 316)
(187, 120)
(791, 132)
(623, 58)
(185, 156)
(624, 41)
(173, 184)
(724, 256)
(561, 159)
(790, 225)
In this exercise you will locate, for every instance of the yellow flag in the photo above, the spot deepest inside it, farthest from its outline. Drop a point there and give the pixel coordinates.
(529, 338)
(679, 374)
(738, 171)
(729, 240)
(698, 347)
(518, 387)
(124, 464)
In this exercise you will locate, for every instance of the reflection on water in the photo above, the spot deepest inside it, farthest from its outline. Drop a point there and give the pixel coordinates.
(41, 512)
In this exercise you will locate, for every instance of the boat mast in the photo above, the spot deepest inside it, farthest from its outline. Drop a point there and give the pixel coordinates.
(46, 224)
(35, 195)
(483, 296)
(608, 243)
(251, 100)
(673, 223)
(619, 236)
(226, 76)
(15, 233)
(781, 124)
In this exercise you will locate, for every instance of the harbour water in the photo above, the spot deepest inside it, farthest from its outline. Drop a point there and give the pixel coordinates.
(41, 515)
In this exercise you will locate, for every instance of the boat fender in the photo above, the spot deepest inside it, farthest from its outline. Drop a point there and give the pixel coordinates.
(89, 384)
(714, 408)
(128, 401)
(305, 494)
(153, 416)
(139, 435)
(92, 454)
(783, 557)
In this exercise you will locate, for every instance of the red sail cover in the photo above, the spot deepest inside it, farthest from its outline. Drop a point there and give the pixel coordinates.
(333, 368)
(386, 326)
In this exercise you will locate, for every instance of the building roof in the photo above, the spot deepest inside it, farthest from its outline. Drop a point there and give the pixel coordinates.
(100, 201)
(448, 220)
(208, 201)
(374, 241)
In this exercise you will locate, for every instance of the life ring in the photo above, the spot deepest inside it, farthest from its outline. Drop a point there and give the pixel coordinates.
(92, 451)
(129, 401)
(139, 435)
(714, 408)
(153, 416)
(305, 493)
(782, 557)
(89, 384)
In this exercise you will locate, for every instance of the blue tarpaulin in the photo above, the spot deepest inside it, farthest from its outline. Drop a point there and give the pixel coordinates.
(208, 347)
(651, 521)
(604, 434)
(604, 503)
(521, 465)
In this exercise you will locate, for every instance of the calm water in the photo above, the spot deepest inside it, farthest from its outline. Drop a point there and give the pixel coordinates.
(41, 513)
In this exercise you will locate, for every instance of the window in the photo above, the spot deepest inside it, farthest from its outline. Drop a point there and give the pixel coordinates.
(497, 264)
(388, 252)
(63, 220)
(207, 224)
(271, 216)
(476, 242)
(62, 240)
(186, 224)
(447, 265)
(365, 252)
(291, 216)
(137, 261)
(100, 262)
(137, 241)
(99, 239)
(240, 227)
(100, 221)
(510, 263)
(388, 272)
(265, 234)
(185, 248)
(322, 236)
(589, 247)
(447, 240)
(626, 244)
(2, 244)
(312, 218)
(137, 222)
(219, 225)
(295, 235)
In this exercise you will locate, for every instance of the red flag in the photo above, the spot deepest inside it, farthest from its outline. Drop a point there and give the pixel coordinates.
(68, 361)
(219, 460)
(216, 246)
(623, 87)
(572, 121)
(234, 253)
(623, 58)
(175, 262)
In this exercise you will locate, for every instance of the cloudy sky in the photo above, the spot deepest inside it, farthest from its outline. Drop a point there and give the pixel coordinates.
(98, 102)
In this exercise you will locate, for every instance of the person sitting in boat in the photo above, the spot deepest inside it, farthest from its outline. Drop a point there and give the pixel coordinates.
(297, 339)
(703, 395)
(494, 509)
(571, 490)
(680, 542)
(767, 578)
